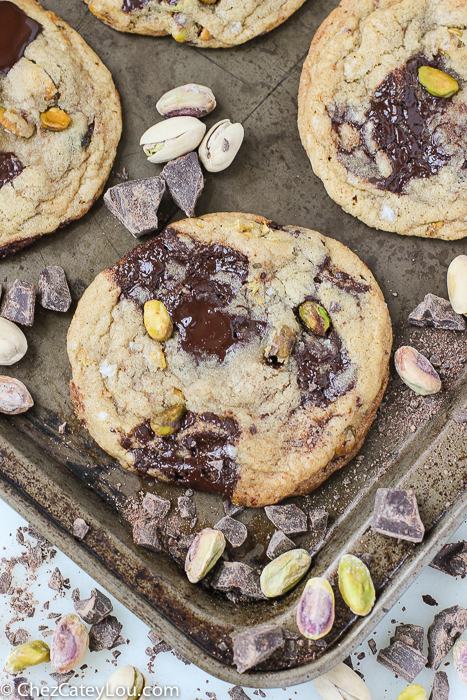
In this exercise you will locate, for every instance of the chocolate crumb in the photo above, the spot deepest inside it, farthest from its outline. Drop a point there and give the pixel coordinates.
(429, 600)
(411, 635)
(238, 693)
(61, 678)
(80, 528)
(156, 506)
(56, 580)
(5, 582)
(186, 507)
(373, 647)
(135, 204)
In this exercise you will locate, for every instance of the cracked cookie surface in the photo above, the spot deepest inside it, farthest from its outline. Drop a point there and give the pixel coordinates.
(259, 425)
(50, 176)
(388, 151)
(204, 23)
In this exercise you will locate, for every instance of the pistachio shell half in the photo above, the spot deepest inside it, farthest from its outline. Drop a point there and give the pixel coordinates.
(204, 552)
(27, 654)
(285, 572)
(172, 138)
(355, 585)
(127, 683)
(342, 682)
(189, 100)
(460, 659)
(13, 343)
(220, 145)
(457, 284)
(436, 82)
(316, 609)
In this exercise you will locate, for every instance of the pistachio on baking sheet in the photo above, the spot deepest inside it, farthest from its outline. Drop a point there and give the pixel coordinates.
(70, 642)
(187, 101)
(172, 138)
(220, 145)
(413, 692)
(55, 119)
(285, 572)
(14, 397)
(316, 609)
(13, 343)
(315, 317)
(203, 553)
(27, 654)
(416, 371)
(167, 422)
(157, 320)
(355, 585)
(127, 683)
(341, 682)
(15, 124)
(282, 345)
(457, 284)
(460, 659)
(437, 82)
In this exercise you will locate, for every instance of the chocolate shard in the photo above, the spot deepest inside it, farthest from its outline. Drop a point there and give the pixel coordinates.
(411, 635)
(437, 312)
(19, 302)
(234, 531)
(154, 638)
(396, 515)
(452, 559)
(56, 580)
(238, 577)
(289, 518)
(135, 204)
(186, 507)
(94, 609)
(446, 628)
(231, 509)
(373, 647)
(255, 645)
(440, 690)
(319, 520)
(54, 292)
(104, 634)
(61, 678)
(5, 582)
(278, 544)
(185, 181)
(156, 506)
(146, 534)
(402, 660)
(80, 528)
(237, 693)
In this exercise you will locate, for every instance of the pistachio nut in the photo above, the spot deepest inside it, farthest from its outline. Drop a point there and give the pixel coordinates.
(316, 609)
(204, 552)
(416, 371)
(25, 655)
(157, 320)
(127, 683)
(282, 344)
(285, 572)
(172, 138)
(14, 397)
(220, 145)
(187, 101)
(167, 422)
(13, 343)
(460, 659)
(457, 284)
(355, 585)
(342, 682)
(15, 124)
(413, 692)
(437, 82)
(70, 642)
(315, 317)
(55, 119)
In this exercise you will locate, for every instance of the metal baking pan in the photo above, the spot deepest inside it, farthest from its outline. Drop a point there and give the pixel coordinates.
(51, 478)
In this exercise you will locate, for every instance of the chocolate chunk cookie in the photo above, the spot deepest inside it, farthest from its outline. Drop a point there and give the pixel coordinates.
(60, 124)
(205, 23)
(387, 142)
(257, 406)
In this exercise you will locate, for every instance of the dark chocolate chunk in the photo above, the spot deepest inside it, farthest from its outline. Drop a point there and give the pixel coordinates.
(452, 559)
(231, 509)
(56, 580)
(373, 647)
(75, 595)
(396, 515)
(279, 544)
(154, 638)
(440, 690)
(118, 642)
(17, 31)
(403, 660)
(54, 293)
(104, 634)
(334, 307)
(460, 416)
(80, 528)
(135, 204)
(156, 506)
(61, 678)
(255, 645)
(437, 312)
(20, 637)
(10, 165)
(185, 181)
(94, 609)
(289, 518)
(411, 635)
(446, 628)
(318, 520)
(429, 600)
(5, 582)
(18, 303)
(435, 360)
(239, 578)
(234, 531)
(237, 693)
(186, 507)
(132, 5)
(146, 534)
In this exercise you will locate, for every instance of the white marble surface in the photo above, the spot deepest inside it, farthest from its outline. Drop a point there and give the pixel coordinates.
(166, 669)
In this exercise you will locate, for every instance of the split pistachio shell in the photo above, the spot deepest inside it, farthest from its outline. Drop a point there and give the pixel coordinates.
(460, 659)
(315, 317)
(220, 145)
(413, 692)
(416, 371)
(70, 642)
(25, 655)
(285, 572)
(168, 422)
(126, 683)
(172, 138)
(341, 683)
(437, 82)
(187, 101)
(355, 585)
(13, 343)
(157, 320)
(316, 609)
(457, 284)
(204, 552)
(14, 396)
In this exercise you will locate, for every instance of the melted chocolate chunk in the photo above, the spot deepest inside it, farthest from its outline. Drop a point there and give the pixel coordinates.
(17, 31)
(342, 280)
(10, 165)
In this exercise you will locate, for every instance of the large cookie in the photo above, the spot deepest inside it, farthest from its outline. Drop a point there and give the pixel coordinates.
(205, 23)
(256, 430)
(49, 177)
(388, 151)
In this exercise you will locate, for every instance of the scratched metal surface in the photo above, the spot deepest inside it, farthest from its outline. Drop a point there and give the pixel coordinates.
(52, 478)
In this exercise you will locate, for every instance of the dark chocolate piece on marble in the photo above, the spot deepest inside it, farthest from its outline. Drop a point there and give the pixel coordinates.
(429, 600)
(234, 531)
(238, 577)
(411, 635)
(373, 647)
(446, 628)
(279, 544)
(437, 312)
(396, 515)
(56, 580)
(135, 204)
(5, 582)
(186, 507)
(440, 690)
(290, 519)
(146, 534)
(156, 506)
(20, 637)
(94, 609)
(19, 302)
(452, 559)
(61, 678)
(80, 528)
(54, 292)
(231, 509)
(10, 166)
(104, 634)
(154, 638)
(185, 181)
(237, 693)
(402, 660)
(118, 642)
(256, 645)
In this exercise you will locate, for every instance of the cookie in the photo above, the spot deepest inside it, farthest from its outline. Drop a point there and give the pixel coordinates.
(259, 419)
(60, 123)
(205, 23)
(388, 151)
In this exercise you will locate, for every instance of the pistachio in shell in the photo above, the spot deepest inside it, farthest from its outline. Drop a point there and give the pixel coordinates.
(203, 553)
(27, 654)
(172, 138)
(436, 82)
(285, 572)
(316, 609)
(315, 317)
(127, 683)
(189, 100)
(355, 585)
(168, 422)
